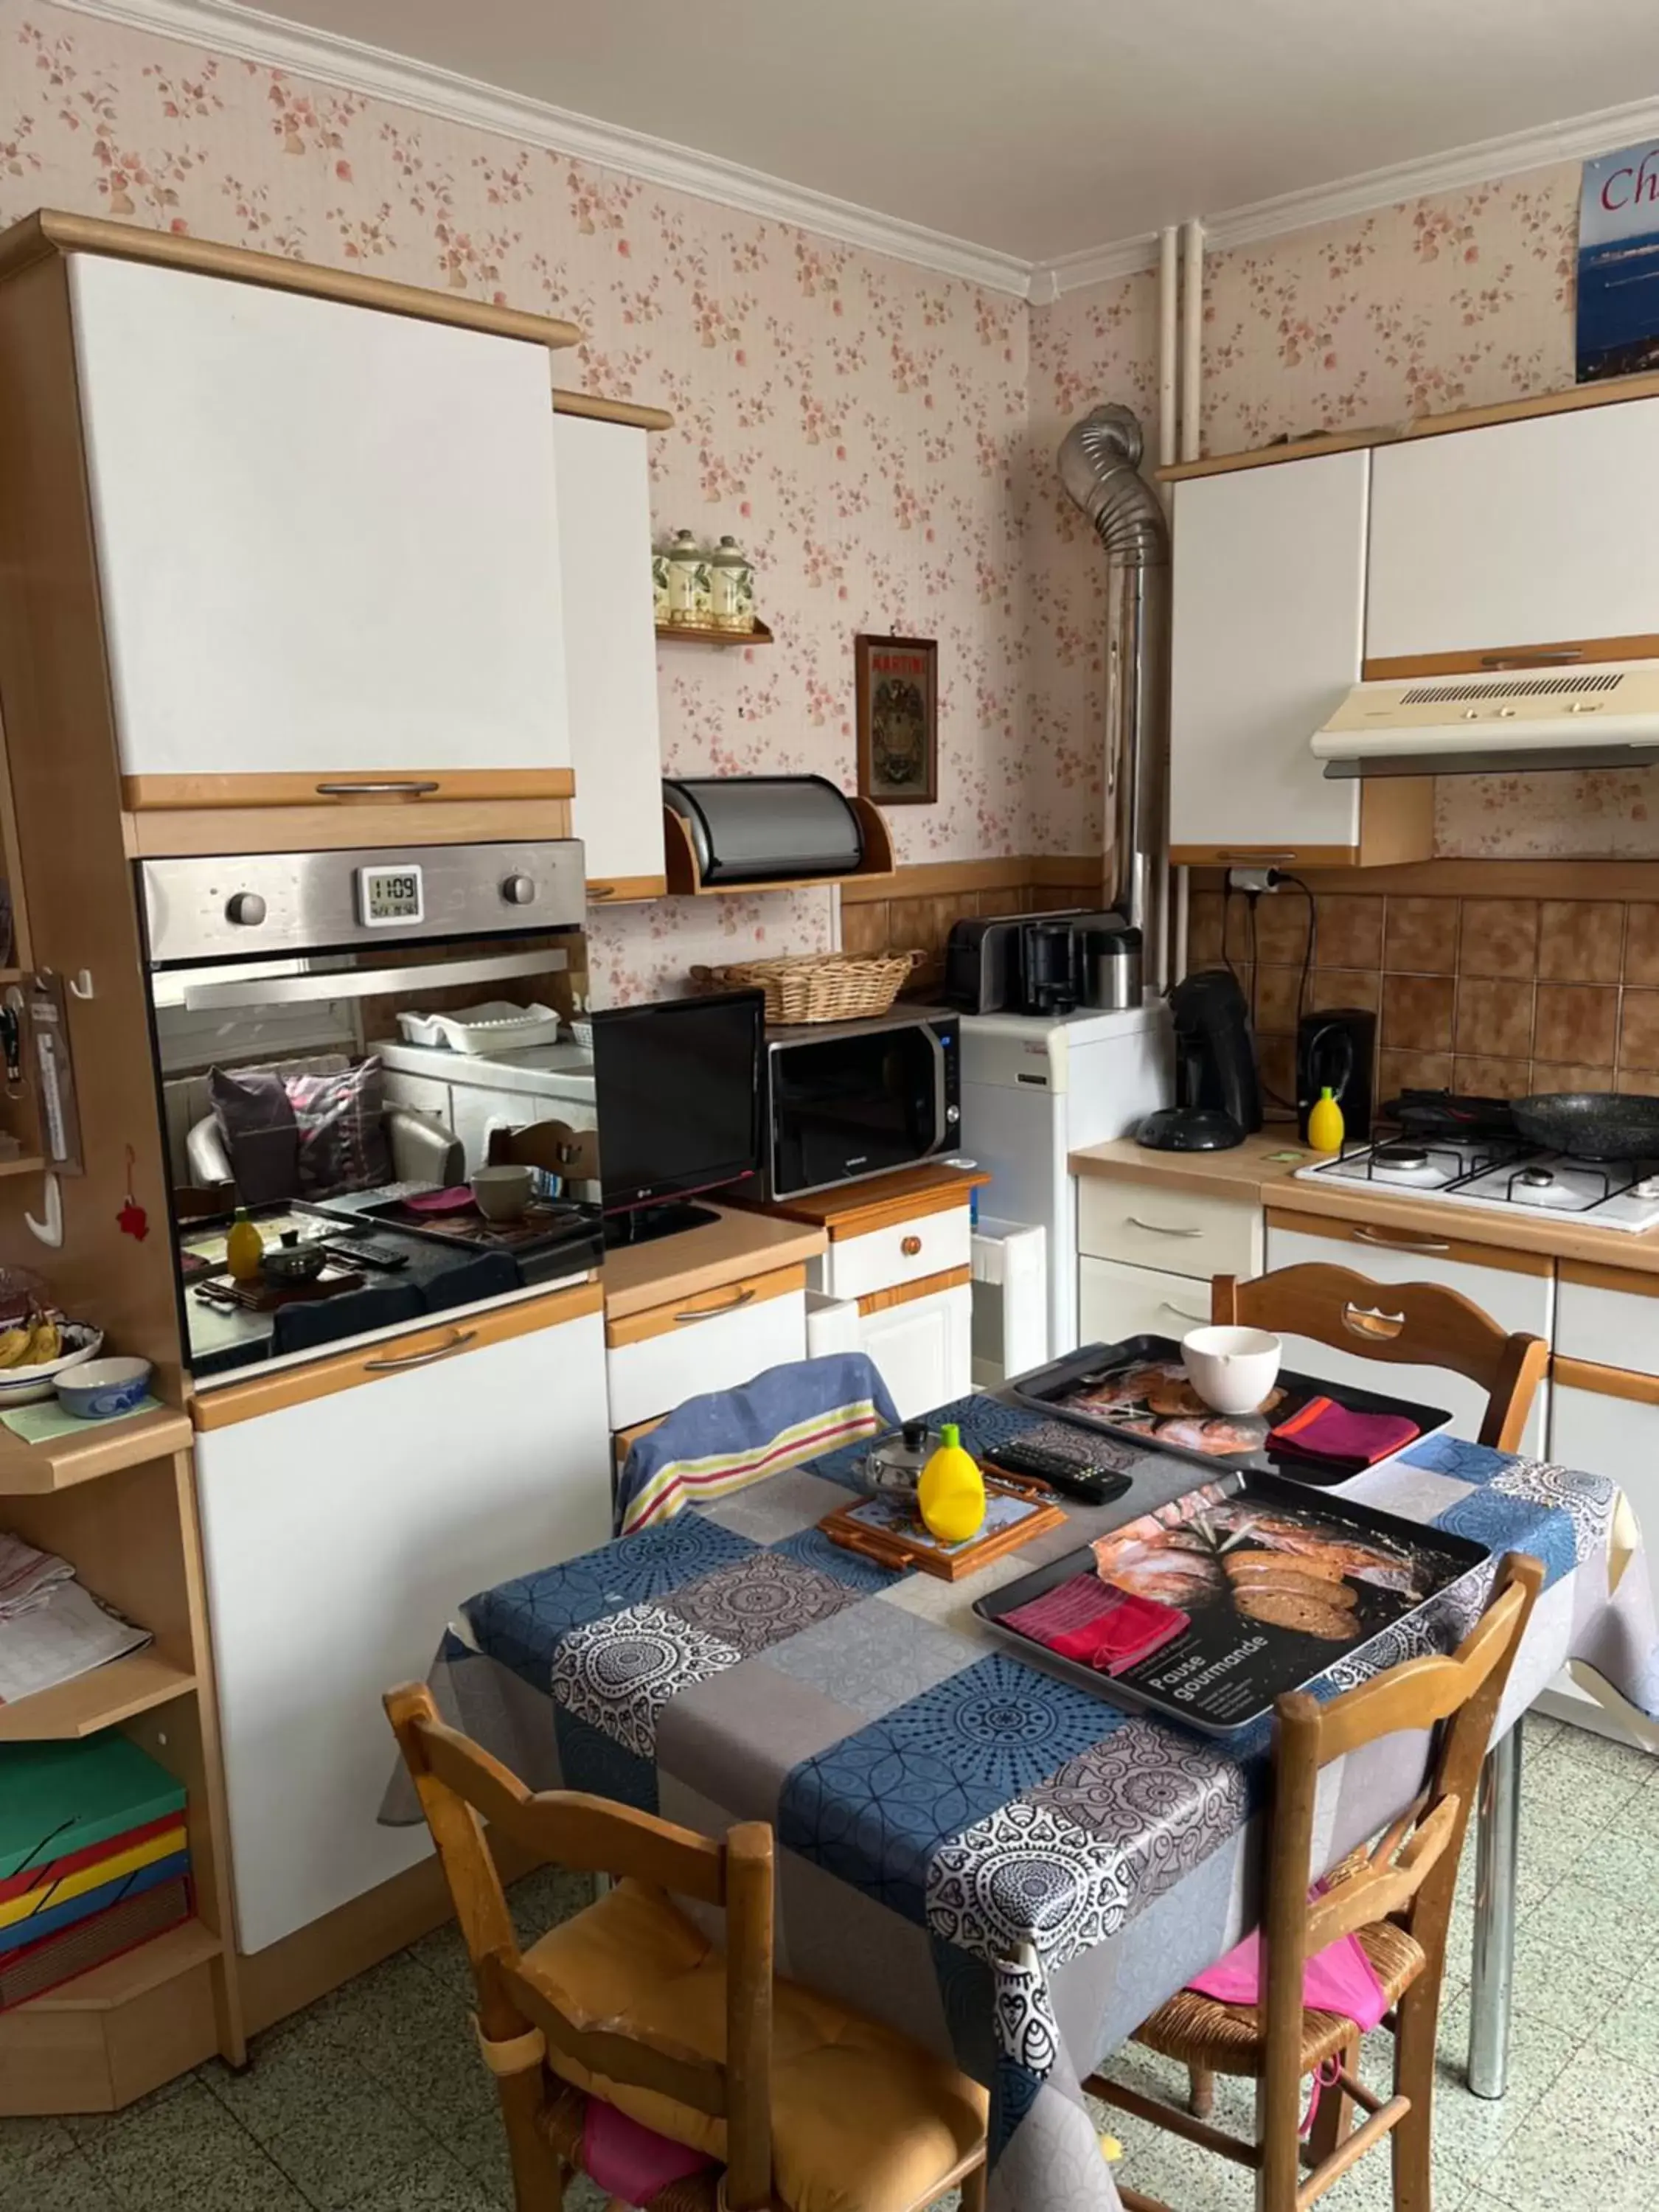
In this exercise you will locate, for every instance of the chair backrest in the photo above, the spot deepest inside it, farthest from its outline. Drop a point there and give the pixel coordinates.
(460, 1785)
(1420, 1324)
(552, 1145)
(1410, 1875)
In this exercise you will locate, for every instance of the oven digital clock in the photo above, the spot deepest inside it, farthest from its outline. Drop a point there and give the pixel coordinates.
(386, 896)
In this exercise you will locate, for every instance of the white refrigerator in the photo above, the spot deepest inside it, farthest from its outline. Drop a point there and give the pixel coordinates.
(1034, 1091)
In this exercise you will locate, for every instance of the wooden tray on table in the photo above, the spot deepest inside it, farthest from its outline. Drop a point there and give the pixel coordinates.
(887, 1530)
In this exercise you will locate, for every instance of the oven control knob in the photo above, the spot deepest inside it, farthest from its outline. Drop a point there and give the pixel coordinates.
(245, 910)
(519, 890)
(953, 1114)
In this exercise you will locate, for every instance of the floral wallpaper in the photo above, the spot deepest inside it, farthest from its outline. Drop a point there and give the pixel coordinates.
(857, 423)
(880, 438)
(1438, 304)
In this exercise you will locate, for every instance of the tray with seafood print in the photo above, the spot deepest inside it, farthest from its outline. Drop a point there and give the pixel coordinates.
(1208, 1608)
(1138, 1391)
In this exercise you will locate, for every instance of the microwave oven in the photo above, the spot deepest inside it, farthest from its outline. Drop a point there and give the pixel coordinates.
(845, 1100)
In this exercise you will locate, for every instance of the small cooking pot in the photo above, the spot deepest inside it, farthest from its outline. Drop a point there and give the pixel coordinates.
(291, 1261)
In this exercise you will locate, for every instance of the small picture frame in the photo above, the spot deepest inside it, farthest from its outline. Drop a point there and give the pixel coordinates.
(896, 680)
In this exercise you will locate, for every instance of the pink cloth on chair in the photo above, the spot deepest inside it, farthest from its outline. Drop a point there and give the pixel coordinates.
(629, 2159)
(1339, 1978)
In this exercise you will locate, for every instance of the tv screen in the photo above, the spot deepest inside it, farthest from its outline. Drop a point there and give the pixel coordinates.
(677, 1089)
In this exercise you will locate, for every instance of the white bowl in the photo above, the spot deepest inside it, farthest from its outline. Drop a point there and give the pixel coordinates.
(1232, 1369)
(503, 1194)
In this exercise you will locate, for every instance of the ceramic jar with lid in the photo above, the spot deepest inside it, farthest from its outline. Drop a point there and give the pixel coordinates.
(731, 587)
(687, 581)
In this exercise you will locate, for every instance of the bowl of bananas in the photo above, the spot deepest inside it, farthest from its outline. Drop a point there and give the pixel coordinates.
(36, 1350)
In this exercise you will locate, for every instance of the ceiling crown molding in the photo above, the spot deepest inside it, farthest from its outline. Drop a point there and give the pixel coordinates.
(225, 26)
(350, 66)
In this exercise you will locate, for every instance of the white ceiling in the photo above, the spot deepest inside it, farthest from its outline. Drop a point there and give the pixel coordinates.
(1038, 128)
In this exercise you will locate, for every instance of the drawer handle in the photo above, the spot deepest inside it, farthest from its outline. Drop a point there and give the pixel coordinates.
(745, 1291)
(461, 1337)
(1399, 1243)
(1161, 1228)
(1252, 860)
(1182, 1314)
(407, 787)
(601, 890)
(1554, 660)
(910, 1247)
(1371, 1321)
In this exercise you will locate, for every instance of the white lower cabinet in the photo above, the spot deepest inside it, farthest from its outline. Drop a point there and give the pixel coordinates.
(718, 1340)
(1514, 1299)
(340, 1535)
(923, 1348)
(1115, 1301)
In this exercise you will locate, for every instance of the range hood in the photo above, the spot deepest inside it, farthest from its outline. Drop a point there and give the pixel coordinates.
(1604, 714)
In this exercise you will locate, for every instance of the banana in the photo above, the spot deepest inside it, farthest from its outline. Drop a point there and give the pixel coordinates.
(13, 1343)
(46, 1343)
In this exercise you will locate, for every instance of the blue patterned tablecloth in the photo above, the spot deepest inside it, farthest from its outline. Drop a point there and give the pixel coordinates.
(997, 1861)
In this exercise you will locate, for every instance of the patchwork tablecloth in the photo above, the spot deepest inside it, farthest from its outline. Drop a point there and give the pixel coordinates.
(997, 1861)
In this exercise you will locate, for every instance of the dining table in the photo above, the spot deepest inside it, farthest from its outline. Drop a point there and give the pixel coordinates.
(1000, 1862)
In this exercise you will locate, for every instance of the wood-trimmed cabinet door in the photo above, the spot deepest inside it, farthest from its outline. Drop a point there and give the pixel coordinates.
(923, 1348)
(326, 539)
(1267, 616)
(340, 1534)
(610, 653)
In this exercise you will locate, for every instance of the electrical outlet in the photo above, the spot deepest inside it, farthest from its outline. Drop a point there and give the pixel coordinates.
(1253, 879)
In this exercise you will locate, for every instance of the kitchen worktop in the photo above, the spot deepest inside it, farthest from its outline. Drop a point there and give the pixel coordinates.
(1250, 1170)
(638, 1277)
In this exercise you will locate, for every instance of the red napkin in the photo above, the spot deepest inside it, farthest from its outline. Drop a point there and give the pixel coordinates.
(1323, 1429)
(1088, 1621)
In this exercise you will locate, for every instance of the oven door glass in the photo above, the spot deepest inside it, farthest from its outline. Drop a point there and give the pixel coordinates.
(344, 1099)
(854, 1105)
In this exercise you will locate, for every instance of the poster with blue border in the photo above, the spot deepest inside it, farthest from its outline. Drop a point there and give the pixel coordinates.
(1618, 264)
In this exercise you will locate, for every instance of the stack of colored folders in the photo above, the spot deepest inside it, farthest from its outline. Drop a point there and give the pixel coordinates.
(93, 1858)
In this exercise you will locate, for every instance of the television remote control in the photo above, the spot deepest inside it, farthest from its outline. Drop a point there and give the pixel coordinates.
(1089, 1485)
(389, 1257)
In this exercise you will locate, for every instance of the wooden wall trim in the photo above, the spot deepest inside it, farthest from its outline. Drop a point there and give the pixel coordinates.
(597, 409)
(50, 231)
(1607, 394)
(1451, 877)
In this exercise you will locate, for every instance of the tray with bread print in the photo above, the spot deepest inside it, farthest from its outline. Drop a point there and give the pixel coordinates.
(1208, 1608)
(1138, 1391)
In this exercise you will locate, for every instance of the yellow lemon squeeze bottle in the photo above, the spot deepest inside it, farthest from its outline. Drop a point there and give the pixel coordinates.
(951, 1492)
(1325, 1123)
(245, 1248)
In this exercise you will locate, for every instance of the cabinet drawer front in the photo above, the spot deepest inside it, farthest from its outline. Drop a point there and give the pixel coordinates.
(903, 1253)
(1601, 1434)
(922, 1349)
(1176, 1231)
(1115, 1301)
(719, 1350)
(1608, 1317)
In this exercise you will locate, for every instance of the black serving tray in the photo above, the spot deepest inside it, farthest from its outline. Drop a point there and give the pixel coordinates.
(1047, 1389)
(1224, 1674)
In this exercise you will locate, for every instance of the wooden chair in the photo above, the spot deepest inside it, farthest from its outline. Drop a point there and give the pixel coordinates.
(1396, 1896)
(554, 1146)
(1420, 1324)
(631, 2003)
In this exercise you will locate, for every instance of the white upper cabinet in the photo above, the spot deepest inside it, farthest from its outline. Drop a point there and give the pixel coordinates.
(1534, 533)
(1267, 619)
(326, 538)
(611, 652)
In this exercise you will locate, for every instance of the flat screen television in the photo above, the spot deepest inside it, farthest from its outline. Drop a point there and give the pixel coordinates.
(676, 1090)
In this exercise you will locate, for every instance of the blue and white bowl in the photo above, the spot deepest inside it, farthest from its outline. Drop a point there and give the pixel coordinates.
(103, 1388)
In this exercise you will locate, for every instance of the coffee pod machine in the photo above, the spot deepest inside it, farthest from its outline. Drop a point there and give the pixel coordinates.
(1218, 1097)
(1336, 1050)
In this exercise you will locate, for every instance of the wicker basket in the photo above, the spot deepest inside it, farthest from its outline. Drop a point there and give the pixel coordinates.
(820, 987)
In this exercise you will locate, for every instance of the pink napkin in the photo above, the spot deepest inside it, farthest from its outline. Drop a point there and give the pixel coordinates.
(1339, 1978)
(1325, 1430)
(440, 1201)
(1087, 1620)
(629, 2160)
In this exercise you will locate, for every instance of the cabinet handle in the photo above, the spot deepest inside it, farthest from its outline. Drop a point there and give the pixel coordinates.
(1182, 1314)
(404, 787)
(1554, 660)
(601, 890)
(1400, 1243)
(461, 1337)
(706, 1313)
(910, 1247)
(1251, 860)
(1161, 1228)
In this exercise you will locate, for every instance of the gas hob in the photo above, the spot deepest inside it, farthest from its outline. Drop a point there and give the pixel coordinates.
(1503, 1175)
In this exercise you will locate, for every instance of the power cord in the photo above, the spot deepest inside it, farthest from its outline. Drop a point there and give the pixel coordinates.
(1271, 878)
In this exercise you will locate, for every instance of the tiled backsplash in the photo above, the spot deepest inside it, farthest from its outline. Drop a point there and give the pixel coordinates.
(922, 924)
(1497, 996)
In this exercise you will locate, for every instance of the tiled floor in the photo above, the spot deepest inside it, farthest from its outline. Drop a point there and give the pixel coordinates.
(376, 2100)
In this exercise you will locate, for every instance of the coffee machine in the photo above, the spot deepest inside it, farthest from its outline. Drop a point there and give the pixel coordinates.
(1336, 1050)
(1217, 1098)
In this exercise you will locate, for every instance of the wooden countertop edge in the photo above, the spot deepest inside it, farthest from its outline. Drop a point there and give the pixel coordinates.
(1247, 1171)
(726, 1250)
(854, 1208)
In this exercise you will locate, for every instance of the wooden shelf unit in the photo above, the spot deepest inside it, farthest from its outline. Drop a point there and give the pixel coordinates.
(685, 879)
(101, 1699)
(106, 1447)
(706, 634)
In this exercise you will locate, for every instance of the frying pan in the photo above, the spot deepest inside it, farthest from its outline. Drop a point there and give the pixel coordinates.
(1593, 1125)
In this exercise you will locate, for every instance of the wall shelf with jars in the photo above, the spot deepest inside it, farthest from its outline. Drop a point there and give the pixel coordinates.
(705, 593)
(706, 634)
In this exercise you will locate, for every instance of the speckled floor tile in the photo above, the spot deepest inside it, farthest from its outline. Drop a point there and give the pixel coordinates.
(339, 2152)
(27, 2145)
(188, 2150)
(70, 2184)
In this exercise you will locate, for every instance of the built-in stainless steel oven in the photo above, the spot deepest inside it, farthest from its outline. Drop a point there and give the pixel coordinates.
(326, 1028)
(849, 1099)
